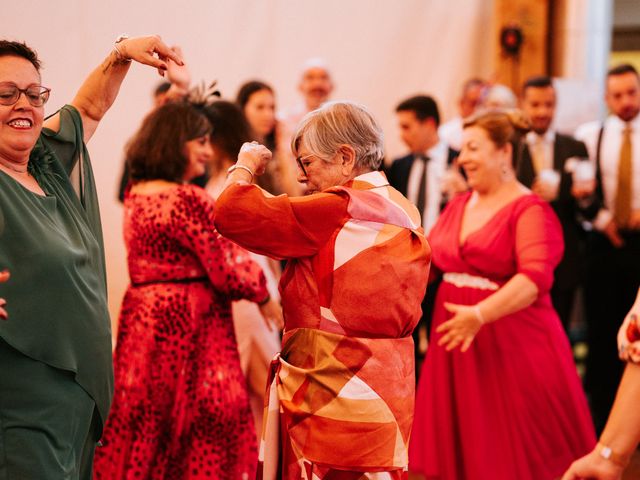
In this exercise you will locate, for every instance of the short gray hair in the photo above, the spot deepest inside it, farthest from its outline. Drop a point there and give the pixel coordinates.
(324, 130)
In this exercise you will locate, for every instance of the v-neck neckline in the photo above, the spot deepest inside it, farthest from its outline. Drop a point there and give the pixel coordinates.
(462, 243)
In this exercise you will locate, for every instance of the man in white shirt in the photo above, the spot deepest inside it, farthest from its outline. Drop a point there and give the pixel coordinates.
(420, 174)
(471, 96)
(424, 176)
(543, 166)
(614, 245)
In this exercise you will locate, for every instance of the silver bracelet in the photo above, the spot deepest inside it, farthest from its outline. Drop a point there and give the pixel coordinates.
(237, 166)
(121, 58)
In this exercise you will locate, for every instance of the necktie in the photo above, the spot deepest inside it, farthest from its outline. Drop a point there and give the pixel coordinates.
(622, 211)
(537, 155)
(421, 203)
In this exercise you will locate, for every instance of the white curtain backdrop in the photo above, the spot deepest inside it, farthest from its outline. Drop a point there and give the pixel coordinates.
(379, 51)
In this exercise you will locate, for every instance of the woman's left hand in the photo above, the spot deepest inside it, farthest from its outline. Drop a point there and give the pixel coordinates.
(149, 50)
(272, 315)
(461, 329)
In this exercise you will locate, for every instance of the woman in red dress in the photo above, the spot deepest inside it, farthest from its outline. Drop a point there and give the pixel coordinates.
(499, 397)
(181, 409)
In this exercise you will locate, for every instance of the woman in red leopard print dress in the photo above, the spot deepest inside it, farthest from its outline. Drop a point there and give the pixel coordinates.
(181, 408)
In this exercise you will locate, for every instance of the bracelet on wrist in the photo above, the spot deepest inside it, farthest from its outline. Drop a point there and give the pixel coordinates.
(241, 167)
(606, 452)
(119, 56)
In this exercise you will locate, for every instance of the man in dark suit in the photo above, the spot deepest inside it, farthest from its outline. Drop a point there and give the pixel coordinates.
(424, 176)
(544, 152)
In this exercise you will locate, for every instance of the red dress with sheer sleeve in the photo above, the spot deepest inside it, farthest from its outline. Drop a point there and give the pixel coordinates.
(512, 406)
(181, 408)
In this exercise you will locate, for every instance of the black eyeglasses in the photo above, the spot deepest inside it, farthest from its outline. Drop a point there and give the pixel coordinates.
(36, 95)
(301, 165)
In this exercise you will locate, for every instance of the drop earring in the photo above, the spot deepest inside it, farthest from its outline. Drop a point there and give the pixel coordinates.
(505, 173)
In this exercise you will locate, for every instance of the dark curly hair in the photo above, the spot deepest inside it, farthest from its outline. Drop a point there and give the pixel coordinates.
(156, 152)
(9, 48)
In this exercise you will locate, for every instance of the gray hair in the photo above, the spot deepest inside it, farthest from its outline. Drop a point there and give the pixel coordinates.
(324, 130)
(500, 96)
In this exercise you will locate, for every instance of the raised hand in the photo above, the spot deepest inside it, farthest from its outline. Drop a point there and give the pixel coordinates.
(150, 50)
(178, 73)
(254, 156)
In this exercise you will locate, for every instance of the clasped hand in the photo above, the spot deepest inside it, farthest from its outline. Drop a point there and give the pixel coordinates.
(254, 156)
(461, 329)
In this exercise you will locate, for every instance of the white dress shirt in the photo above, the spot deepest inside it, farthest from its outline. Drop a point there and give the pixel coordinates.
(547, 139)
(451, 133)
(609, 159)
(436, 168)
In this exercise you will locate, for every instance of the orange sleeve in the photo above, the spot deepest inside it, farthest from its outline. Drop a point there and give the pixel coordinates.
(280, 227)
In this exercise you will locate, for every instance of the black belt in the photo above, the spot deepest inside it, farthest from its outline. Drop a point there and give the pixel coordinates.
(204, 278)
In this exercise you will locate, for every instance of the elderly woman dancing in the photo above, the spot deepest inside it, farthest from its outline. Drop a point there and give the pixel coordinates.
(56, 335)
(343, 384)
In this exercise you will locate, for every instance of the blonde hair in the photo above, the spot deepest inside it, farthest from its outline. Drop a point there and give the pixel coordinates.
(324, 130)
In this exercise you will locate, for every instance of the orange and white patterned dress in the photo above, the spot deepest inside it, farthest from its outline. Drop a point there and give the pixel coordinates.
(341, 393)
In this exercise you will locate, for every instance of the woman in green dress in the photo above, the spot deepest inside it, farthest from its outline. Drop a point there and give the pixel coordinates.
(56, 377)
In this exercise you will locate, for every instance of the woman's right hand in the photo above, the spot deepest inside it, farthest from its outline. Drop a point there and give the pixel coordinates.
(593, 466)
(4, 276)
(272, 315)
(178, 74)
(255, 157)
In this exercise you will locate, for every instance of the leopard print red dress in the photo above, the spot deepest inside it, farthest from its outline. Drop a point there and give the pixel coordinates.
(181, 409)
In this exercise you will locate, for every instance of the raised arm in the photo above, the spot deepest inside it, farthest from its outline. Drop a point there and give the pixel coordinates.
(280, 227)
(100, 89)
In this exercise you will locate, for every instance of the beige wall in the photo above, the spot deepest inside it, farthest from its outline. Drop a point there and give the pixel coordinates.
(380, 51)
